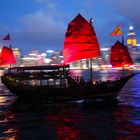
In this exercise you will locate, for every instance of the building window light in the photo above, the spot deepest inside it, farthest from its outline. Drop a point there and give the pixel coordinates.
(134, 42)
(129, 41)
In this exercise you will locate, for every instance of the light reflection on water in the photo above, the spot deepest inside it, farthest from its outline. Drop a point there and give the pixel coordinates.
(114, 120)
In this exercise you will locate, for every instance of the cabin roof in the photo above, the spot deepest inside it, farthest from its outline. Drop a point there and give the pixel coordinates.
(44, 67)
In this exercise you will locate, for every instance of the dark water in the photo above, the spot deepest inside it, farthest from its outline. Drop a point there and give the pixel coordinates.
(114, 120)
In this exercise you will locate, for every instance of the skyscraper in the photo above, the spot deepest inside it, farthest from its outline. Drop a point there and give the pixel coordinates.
(131, 37)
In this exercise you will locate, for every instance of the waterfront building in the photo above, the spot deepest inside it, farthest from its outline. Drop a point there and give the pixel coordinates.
(105, 55)
(131, 37)
(132, 45)
(30, 59)
(55, 56)
(35, 57)
(101, 62)
(17, 54)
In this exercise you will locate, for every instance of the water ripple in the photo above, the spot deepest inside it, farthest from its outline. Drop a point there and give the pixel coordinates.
(114, 120)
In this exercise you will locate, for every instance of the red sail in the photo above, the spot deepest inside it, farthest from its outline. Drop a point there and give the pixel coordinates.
(80, 41)
(7, 56)
(120, 56)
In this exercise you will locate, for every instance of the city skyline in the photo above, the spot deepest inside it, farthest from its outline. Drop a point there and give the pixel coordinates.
(41, 24)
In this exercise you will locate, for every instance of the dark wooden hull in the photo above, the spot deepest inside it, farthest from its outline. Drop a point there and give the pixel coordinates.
(107, 90)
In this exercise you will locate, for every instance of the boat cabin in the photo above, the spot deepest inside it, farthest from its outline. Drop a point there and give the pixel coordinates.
(55, 75)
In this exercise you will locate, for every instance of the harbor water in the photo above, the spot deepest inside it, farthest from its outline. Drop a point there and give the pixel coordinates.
(107, 120)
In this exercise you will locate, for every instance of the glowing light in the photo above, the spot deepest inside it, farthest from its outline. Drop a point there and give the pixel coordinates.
(126, 65)
(50, 51)
(131, 28)
(39, 59)
(1, 72)
(129, 41)
(106, 66)
(134, 42)
(91, 20)
(131, 33)
(95, 66)
(11, 138)
(94, 82)
(104, 49)
(2, 99)
(138, 45)
(32, 54)
(61, 56)
(43, 54)
(29, 58)
(10, 130)
(47, 60)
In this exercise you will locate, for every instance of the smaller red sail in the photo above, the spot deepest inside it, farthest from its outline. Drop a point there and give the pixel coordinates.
(120, 56)
(7, 56)
(80, 41)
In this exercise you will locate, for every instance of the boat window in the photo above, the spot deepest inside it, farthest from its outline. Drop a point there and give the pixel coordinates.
(43, 82)
(34, 82)
(50, 82)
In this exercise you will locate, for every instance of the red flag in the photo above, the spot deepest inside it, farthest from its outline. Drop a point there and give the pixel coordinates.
(117, 31)
(7, 37)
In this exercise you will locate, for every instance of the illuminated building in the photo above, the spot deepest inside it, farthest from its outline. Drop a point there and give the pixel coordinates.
(16, 52)
(102, 61)
(133, 47)
(35, 57)
(105, 55)
(54, 56)
(131, 37)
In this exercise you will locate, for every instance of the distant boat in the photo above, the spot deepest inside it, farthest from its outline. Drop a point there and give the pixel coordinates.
(57, 83)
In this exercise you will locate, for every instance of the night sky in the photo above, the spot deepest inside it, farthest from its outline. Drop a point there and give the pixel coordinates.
(41, 24)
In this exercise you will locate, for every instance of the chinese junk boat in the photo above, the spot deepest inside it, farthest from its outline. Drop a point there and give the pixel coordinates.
(57, 83)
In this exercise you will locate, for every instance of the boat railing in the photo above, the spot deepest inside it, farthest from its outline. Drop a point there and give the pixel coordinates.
(77, 79)
(73, 76)
(36, 74)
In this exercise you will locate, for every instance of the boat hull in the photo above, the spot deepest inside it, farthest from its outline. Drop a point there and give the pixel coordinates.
(103, 91)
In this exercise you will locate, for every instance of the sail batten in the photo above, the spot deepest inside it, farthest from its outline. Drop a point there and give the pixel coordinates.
(120, 56)
(80, 41)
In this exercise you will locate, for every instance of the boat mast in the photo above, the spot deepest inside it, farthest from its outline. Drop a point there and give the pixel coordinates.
(90, 60)
(123, 70)
(11, 49)
(0, 55)
(122, 39)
